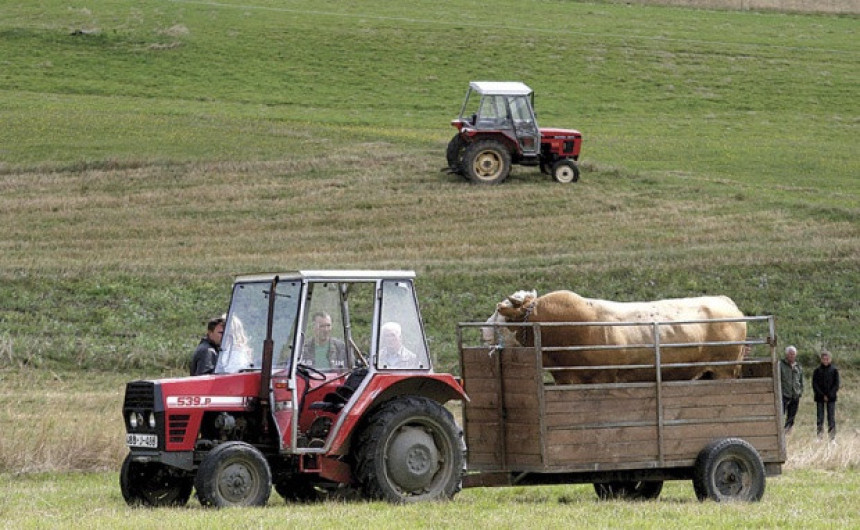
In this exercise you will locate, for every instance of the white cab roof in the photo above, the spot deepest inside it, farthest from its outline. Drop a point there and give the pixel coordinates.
(501, 88)
(330, 275)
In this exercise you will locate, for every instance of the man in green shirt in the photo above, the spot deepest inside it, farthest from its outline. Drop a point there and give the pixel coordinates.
(324, 352)
(791, 377)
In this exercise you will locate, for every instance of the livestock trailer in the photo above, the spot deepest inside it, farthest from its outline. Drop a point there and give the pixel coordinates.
(625, 438)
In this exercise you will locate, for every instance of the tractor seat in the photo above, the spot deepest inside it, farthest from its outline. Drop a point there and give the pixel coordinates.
(334, 401)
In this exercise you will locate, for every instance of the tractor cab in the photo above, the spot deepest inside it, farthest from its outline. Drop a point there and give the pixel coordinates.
(505, 107)
(328, 332)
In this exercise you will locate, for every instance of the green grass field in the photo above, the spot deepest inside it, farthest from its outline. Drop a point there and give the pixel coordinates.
(92, 500)
(151, 151)
(60, 470)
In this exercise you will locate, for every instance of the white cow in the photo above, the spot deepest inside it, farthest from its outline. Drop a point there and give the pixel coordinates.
(566, 306)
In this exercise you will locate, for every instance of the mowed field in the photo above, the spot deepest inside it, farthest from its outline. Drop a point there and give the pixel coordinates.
(151, 151)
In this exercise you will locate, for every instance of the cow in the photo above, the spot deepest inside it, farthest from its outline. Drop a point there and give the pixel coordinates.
(567, 306)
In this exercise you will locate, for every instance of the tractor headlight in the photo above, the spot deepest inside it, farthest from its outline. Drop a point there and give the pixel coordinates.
(152, 420)
(134, 419)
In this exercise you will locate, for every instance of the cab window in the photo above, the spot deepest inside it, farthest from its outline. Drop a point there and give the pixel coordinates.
(400, 342)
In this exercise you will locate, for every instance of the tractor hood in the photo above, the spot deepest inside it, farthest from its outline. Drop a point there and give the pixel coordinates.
(549, 132)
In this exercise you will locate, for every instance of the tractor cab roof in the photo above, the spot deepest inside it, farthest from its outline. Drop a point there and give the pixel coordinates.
(330, 275)
(500, 88)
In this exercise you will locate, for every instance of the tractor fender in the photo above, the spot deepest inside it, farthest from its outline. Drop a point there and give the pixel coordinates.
(472, 135)
(386, 386)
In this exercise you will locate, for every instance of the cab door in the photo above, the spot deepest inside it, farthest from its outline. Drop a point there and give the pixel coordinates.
(524, 124)
(284, 387)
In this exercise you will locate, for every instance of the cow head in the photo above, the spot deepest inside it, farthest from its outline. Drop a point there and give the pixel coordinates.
(517, 306)
(513, 309)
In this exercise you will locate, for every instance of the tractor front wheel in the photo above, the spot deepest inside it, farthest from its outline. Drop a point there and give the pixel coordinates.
(410, 450)
(233, 474)
(487, 162)
(565, 171)
(153, 484)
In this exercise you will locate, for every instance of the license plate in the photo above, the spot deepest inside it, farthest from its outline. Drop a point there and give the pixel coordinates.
(142, 440)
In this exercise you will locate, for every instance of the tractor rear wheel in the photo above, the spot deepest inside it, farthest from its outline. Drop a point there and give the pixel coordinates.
(487, 162)
(233, 474)
(410, 450)
(565, 171)
(729, 469)
(629, 490)
(153, 484)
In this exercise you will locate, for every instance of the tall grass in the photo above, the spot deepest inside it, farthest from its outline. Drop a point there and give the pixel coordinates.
(72, 421)
(120, 267)
(62, 443)
(803, 6)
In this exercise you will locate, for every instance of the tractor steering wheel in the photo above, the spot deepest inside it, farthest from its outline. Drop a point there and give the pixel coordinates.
(310, 372)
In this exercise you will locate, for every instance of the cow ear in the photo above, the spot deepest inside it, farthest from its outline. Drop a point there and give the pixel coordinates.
(515, 302)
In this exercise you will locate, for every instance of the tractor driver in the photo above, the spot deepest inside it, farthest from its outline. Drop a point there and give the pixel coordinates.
(324, 352)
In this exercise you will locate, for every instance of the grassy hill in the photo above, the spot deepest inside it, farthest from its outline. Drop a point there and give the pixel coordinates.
(151, 151)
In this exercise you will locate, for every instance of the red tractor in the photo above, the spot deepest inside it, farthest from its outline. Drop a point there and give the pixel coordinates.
(497, 128)
(323, 383)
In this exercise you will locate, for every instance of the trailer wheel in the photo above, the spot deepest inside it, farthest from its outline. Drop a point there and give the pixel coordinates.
(233, 474)
(729, 469)
(487, 162)
(153, 484)
(410, 450)
(453, 153)
(630, 490)
(565, 171)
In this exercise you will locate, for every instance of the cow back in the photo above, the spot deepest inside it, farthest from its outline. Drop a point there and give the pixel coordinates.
(566, 306)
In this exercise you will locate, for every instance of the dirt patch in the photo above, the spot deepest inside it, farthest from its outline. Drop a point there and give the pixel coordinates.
(800, 6)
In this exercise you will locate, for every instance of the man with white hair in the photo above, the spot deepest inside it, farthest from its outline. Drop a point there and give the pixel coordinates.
(392, 352)
(791, 376)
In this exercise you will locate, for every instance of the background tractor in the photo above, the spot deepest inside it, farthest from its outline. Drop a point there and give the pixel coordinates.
(497, 128)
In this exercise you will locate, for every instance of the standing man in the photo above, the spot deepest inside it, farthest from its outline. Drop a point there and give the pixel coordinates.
(825, 385)
(206, 354)
(791, 376)
(324, 352)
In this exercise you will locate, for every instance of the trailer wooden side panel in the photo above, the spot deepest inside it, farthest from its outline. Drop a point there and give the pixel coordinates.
(503, 415)
(597, 428)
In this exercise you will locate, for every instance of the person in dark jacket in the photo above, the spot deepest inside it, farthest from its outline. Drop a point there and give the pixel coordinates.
(206, 354)
(791, 376)
(825, 385)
